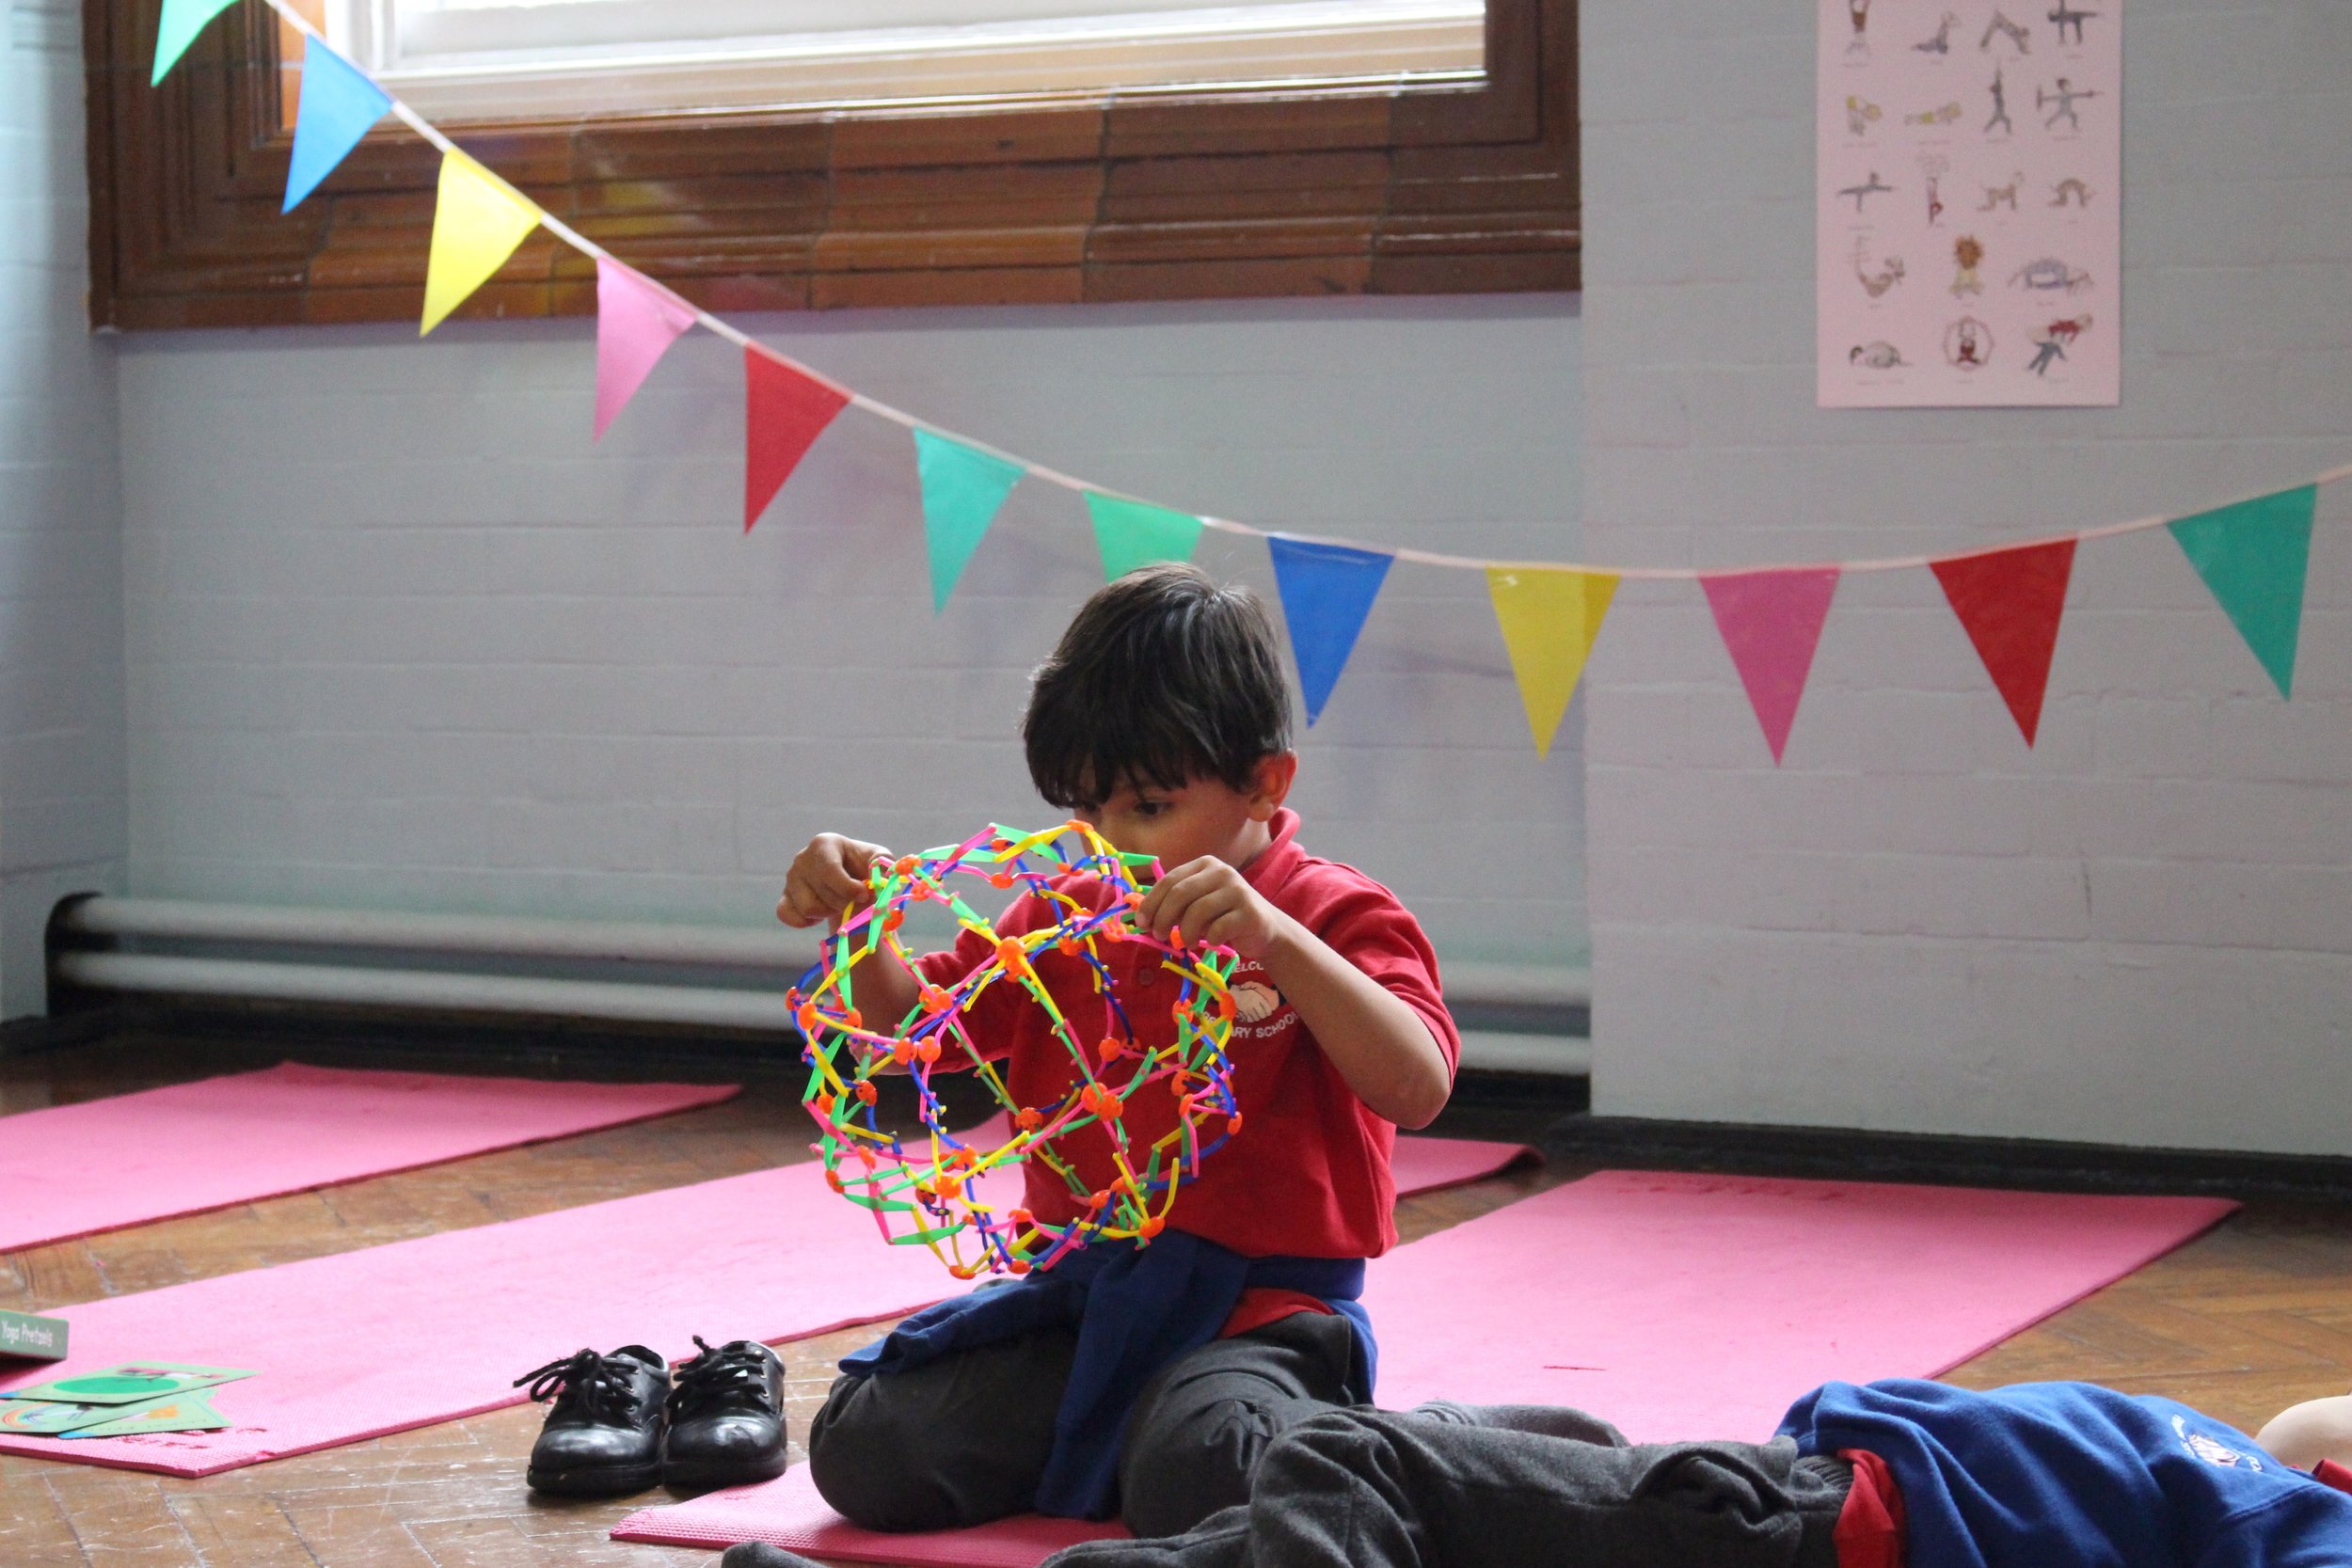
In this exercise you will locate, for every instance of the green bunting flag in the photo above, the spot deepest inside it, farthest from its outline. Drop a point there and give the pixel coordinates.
(1135, 533)
(181, 21)
(2253, 555)
(963, 489)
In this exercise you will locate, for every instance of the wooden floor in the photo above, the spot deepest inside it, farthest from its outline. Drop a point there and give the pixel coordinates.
(2252, 1316)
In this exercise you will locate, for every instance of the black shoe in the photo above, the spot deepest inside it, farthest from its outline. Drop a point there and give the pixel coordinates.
(758, 1554)
(727, 1418)
(604, 1435)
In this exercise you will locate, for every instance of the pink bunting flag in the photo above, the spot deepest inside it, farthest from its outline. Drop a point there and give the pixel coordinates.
(637, 321)
(1772, 622)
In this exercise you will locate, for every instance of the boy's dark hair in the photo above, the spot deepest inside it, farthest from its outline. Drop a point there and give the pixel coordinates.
(1164, 676)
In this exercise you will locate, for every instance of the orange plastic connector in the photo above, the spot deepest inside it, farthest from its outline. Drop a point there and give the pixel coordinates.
(1151, 1227)
(1029, 1120)
(934, 1000)
(866, 1091)
(1232, 1124)
(1014, 957)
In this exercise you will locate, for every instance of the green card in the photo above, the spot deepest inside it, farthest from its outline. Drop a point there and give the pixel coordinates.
(30, 1338)
(179, 1413)
(133, 1383)
(30, 1418)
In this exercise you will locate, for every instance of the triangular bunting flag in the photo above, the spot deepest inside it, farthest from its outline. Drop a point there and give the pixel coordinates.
(2253, 557)
(1327, 592)
(2009, 601)
(181, 21)
(963, 489)
(784, 413)
(1135, 533)
(1550, 617)
(637, 321)
(477, 224)
(338, 104)
(1771, 622)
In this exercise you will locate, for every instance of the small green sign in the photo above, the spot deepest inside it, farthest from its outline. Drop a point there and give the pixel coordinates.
(31, 1338)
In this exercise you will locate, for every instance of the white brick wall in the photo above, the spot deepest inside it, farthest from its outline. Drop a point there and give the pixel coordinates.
(2135, 932)
(398, 636)
(61, 740)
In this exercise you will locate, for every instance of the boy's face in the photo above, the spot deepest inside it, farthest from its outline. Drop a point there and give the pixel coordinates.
(1200, 818)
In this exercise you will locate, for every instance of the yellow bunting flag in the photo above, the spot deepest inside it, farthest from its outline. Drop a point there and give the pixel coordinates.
(1549, 617)
(476, 225)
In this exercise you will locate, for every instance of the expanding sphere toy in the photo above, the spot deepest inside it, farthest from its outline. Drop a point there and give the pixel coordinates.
(929, 1181)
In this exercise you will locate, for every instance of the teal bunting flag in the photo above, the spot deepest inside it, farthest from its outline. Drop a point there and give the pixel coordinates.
(338, 104)
(963, 489)
(176, 28)
(1327, 592)
(1135, 533)
(2254, 556)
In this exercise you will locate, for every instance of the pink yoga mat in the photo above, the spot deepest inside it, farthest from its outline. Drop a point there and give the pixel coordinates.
(1675, 1306)
(75, 1169)
(399, 1336)
(1420, 1164)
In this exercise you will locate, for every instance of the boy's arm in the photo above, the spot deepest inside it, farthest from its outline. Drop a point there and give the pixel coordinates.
(827, 882)
(1375, 1039)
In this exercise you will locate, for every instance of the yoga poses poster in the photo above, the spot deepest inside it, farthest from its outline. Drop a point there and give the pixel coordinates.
(1968, 203)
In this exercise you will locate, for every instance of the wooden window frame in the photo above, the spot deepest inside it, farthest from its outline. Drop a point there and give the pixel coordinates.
(1126, 197)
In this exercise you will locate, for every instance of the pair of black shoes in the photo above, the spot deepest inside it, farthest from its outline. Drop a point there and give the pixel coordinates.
(620, 1422)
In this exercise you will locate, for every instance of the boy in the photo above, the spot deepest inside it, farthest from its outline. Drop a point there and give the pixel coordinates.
(1147, 1381)
(1897, 1474)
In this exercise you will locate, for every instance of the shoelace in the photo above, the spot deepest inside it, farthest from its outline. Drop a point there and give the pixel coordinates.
(722, 1381)
(596, 1388)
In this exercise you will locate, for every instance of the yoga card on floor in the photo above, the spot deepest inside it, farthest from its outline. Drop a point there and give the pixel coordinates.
(71, 1170)
(135, 1383)
(1677, 1306)
(369, 1342)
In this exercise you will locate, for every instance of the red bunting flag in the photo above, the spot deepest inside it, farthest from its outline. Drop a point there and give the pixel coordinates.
(784, 413)
(2009, 601)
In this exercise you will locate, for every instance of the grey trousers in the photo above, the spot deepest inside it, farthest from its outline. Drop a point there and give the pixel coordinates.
(1424, 1489)
(964, 1439)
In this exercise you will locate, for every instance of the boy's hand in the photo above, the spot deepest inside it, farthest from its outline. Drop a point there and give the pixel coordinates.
(828, 881)
(1210, 902)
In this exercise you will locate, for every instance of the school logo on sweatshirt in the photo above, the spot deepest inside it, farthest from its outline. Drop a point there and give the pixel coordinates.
(1259, 1010)
(2212, 1452)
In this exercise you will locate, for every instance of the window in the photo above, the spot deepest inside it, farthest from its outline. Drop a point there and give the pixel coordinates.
(1447, 181)
(519, 58)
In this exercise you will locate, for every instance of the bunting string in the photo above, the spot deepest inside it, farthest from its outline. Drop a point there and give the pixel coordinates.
(2250, 552)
